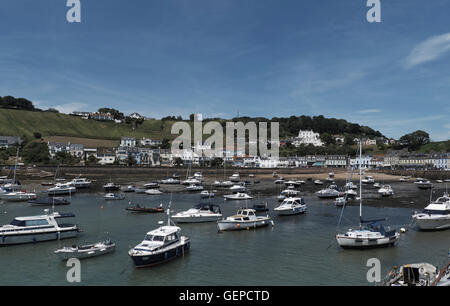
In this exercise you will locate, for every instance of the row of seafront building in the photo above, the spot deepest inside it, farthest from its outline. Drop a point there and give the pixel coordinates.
(148, 152)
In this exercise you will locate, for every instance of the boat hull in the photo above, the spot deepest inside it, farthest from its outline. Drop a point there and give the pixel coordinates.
(37, 237)
(82, 255)
(365, 243)
(148, 260)
(196, 219)
(291, 211)
(225, 225)
(434, 224)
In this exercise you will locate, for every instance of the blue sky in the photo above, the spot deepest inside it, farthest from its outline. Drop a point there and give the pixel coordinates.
(256, 57)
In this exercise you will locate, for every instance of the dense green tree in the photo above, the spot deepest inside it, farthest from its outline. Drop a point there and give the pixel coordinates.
(415, 140)
(36, 152)
(114, 112)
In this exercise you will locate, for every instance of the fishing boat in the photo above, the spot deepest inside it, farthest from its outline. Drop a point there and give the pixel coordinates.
(203, 212)
(140, 209)
(436, 216)
(238, 196)
(160, 245)
(113, 197)
(50, 201)
(371, 233)
(86, 251)
(291, 206)
(386, 190)
(153, 192)
(80, 183)
(244, 219)
(38, 228)
(111, 187)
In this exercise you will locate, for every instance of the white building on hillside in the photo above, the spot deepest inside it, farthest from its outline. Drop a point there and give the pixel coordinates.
(308, 137)
(128, 142)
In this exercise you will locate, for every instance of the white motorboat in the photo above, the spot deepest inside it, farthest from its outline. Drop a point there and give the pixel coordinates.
(244, 219)
(223, 184)
(37, 228)
(329, 179)
(300, 182)
(371, 233)
(238, 196)
(170, 181)
(377, 185)
(80, 183)
(238, 188)
(291, 206)
(191, 181)
(368, 180)
(329, 192)
(251, 175)
(292, 183)
(424, 184)
(199, 213)
(207, 194)
(198, 176)
(152, 191)
(350, 193)
(436, 216)
(386, 190)
(290, 193)
(279, 181)
(86, 251)
(113, 196)
(194, 187)
(129, 188)
(111, 187)
(318, 182)
(350, 185)
(235, 178)
(18, 196)
(341, 201)
(160, 245)
(61, 189)
(151, 185)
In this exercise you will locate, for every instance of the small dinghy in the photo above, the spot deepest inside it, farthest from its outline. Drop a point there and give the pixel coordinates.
(140, 209)
(86, 251)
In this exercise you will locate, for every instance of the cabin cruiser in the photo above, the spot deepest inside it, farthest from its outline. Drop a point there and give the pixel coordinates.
(436, 216)
(243, 219)
(290, 192)
(113, 196)
(424, 184)
(194, 187)
(368, 180)
(199, 213)
(238, 188)
(111, 187)
(18, 196)
(80, 183)
(151, 185)
(61, 188)
(235, 177)
(291, 206)
(207, 194)
(152, 191)
(37, 228)
(160, 245)
(237, 196)
(170, 181)
(86, 251)
(418, 274)
(329, 192)
(386, 190)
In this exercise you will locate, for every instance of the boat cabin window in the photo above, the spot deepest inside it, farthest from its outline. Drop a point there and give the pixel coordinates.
(154, 238)
(36, 222)
(435, 212)
(172, 237)
(16, 222)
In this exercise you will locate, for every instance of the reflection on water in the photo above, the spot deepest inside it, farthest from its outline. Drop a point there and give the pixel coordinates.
(298, 250)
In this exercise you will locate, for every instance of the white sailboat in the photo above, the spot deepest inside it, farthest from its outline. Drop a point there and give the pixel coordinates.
(370, 233)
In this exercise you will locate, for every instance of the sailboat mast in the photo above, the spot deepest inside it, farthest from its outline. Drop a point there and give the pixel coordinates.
(360, 183)
(15, 167)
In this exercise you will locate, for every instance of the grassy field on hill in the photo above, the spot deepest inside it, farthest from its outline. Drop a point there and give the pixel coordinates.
(20, 122)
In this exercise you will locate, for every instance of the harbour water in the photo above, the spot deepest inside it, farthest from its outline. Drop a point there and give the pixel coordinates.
(298, 250)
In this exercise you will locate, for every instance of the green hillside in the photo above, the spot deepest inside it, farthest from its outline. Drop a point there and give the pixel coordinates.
(21, 122)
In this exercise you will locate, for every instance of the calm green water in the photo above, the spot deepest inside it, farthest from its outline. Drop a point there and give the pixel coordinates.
(299, 250)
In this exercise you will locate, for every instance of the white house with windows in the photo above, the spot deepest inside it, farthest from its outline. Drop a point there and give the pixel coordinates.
(128, 142)
(306, 138)
(364, 161)
(336, 161)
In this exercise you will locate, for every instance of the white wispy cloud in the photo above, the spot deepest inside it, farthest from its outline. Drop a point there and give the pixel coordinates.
(370, 111)
(70, 107)
(428, 50)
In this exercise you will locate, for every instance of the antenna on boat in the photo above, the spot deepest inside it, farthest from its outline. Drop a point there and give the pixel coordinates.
(360, 184)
